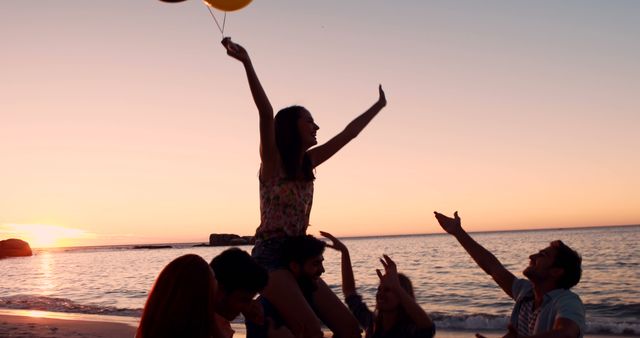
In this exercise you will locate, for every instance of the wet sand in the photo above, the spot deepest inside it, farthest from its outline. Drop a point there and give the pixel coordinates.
(43, 324)
(42, 327)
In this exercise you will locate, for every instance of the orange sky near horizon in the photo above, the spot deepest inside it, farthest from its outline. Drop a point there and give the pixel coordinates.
(125, 122)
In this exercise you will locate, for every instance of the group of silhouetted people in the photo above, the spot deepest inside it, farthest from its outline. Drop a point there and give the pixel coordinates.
(191, 298)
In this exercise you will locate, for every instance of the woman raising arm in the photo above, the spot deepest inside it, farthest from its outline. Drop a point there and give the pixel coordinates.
(286, 197)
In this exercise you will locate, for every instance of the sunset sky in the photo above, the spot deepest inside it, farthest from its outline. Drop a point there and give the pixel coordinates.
(125, 121)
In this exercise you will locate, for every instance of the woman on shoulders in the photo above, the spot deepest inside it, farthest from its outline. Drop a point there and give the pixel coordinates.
(289, 155)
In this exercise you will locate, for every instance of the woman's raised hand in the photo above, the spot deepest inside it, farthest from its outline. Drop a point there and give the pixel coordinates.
(390, 277)
(335, 243)
(382, 99)
(235, 50)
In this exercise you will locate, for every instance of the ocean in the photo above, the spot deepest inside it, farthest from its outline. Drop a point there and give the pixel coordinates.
(115, 280)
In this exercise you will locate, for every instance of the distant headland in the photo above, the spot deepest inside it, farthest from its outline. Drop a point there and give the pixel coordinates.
(230, 240)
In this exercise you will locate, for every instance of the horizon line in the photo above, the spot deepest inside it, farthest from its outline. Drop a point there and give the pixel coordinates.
(355, 236)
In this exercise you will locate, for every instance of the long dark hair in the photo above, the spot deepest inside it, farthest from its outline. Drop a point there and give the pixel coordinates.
(179, 304)
(403, 317)
(290, 145)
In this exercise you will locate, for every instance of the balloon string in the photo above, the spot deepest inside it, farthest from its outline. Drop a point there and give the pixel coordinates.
(221, 29)
(224, 21)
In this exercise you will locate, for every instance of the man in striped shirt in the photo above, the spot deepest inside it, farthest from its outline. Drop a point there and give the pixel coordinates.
(545, 307)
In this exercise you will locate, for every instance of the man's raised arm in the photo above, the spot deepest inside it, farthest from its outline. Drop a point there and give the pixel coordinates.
(485, 259)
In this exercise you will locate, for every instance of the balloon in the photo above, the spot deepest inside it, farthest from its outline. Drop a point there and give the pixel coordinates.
(227, 5)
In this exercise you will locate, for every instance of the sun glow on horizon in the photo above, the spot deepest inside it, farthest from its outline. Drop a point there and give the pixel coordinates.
(43, 235)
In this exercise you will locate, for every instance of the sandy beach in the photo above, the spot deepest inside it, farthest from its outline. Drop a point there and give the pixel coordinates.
(43, 324)
(39, 324)
(13, 325)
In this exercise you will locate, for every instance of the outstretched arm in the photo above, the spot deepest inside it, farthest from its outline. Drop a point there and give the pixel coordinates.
(348, 281)
(323, 152)
(268, 149)
(485, 259)
(390, 279)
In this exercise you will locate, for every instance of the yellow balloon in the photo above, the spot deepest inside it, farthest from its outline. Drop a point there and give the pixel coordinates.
(227, 5)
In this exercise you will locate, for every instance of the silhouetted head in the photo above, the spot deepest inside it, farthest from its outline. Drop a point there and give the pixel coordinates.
(387, 300)
(303, 255)
(180, 303)
(295, 133)
(558, 263)
(239, 278)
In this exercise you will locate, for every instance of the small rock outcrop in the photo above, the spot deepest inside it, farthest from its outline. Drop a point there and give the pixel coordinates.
(14, 247)
(229, 240)
(152, 247)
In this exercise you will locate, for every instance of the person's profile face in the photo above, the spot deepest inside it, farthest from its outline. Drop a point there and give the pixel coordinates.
(313, 268)
(234, 303)
(307, 129)
(540, 264)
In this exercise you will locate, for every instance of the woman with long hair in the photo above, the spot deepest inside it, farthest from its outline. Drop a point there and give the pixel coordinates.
(397, 314)
(180, 303)
(289, 155)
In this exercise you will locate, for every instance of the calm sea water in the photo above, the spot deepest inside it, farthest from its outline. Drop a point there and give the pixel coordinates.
(448, 284)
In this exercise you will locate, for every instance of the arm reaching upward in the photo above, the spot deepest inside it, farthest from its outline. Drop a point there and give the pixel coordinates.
(348, 281)
(483, 257)
(390, 279)
(268, 148)
(323, 152)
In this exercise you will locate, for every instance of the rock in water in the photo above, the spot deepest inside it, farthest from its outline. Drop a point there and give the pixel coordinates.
(228, 240)
(14, 248)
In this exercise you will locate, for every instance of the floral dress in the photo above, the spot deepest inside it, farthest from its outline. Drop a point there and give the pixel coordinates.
(285, 206)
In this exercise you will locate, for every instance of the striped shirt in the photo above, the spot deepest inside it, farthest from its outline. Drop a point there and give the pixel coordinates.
(558, 303)
(527, 317)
